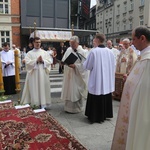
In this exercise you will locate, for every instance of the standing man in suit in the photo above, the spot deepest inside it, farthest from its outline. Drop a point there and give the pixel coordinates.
(60, 52)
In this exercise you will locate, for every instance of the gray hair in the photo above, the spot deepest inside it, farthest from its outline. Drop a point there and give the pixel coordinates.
(75, 38)
(126, 40)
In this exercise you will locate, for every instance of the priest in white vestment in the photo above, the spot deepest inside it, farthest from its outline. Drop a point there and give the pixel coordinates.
(133, 124)
(101, 63)
(115, 51)
(126, 58)
(8, 68)
(74, 89)
(37, 85)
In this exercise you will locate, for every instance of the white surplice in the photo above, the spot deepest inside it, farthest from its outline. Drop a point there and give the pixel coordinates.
(5, 58)
(105, 71)
(132, 130)
(37, 85)
(74, 88)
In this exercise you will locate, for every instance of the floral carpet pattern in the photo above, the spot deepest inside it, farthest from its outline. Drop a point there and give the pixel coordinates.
(25, 129)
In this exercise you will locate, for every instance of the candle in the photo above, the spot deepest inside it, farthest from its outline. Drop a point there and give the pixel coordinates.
(1, 76)
(17, 76)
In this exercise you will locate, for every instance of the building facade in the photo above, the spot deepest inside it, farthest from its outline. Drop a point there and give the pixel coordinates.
(90, 24)
(43, 15)
(54, 15)
(19, 18)
(10, 22)
(117, 18)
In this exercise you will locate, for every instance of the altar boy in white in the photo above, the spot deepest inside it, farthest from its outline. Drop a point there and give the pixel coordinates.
(8, 68)
(37, 85)
(101, 63)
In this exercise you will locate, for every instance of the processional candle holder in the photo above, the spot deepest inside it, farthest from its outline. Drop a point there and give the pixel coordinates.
(17, 76)
(1, 79)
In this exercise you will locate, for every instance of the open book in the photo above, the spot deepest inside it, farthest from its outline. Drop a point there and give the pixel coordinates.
(70, 59)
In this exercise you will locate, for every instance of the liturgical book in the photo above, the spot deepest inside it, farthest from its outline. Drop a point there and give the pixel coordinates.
(70, 59)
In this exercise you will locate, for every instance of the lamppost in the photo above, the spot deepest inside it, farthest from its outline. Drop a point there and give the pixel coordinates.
(107, 25)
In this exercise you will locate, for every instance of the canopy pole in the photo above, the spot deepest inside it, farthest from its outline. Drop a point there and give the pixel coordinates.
(72, 31)
(34, 28)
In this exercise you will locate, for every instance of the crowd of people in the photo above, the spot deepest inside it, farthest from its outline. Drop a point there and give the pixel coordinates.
(92, 77)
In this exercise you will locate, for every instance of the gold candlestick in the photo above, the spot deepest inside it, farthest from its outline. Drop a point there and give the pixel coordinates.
(1, 78)
(17, 76)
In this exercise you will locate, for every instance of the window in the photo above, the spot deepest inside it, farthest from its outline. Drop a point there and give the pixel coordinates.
(130, 25)
(131, 4)
(87, 27)
(124, 26)
(125, 7)
(4, 36)
(109, 1)
(117, 28)
(4, 7)
(118, 9)
(141, 20)
(110, 30)
(94, 25)
(91, 26)
(142, 2)
(106, 13)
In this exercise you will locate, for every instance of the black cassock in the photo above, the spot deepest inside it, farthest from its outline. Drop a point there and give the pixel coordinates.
(9, 85)
(99, 107)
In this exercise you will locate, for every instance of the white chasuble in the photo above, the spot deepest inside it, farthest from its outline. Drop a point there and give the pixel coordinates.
(132, 130)
(126, 60)
(37, 85)
(75, 80)
(8, 57)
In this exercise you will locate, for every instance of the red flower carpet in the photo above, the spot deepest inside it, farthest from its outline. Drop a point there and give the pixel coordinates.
(21, 128)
